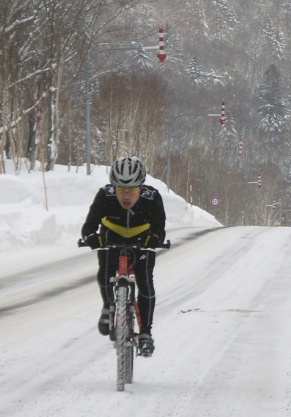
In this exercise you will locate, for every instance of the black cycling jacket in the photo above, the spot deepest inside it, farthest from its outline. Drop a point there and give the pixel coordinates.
(117, 223)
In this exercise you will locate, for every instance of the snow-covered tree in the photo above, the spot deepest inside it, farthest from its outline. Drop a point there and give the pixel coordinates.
(201, 77)
(276, 40)
(141, 58)
(194, 70)
(273, 112)
(225, 19)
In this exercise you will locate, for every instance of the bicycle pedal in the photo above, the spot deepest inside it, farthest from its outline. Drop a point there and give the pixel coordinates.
(146, 354)
(146, 351)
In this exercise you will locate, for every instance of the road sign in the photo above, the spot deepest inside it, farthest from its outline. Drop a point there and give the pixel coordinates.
(215, 201)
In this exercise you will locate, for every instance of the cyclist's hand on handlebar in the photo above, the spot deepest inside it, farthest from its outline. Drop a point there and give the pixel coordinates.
(94, 241)
(152, 241)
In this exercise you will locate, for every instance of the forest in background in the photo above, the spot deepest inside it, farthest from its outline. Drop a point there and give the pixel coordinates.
(74, 70)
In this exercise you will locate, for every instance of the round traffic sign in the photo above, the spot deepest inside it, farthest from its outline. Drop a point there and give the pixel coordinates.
(215, 201)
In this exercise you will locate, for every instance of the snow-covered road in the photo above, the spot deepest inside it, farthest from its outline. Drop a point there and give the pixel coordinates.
(222, 334)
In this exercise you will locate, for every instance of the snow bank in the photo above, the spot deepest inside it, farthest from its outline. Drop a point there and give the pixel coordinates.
(37, 209)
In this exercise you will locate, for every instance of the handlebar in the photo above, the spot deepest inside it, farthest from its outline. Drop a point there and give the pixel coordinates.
(165, 245)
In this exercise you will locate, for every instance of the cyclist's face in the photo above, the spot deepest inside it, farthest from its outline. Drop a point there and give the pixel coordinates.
(127, 197)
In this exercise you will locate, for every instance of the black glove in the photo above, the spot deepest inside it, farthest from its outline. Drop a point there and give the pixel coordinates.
(152, 241)
(94, 240)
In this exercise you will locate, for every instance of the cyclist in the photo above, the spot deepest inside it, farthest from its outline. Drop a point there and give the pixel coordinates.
(128, 211)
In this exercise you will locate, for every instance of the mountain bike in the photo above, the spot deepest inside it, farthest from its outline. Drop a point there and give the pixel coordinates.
(123, 311)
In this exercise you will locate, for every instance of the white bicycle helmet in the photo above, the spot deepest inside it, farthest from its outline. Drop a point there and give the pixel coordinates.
(127, 172)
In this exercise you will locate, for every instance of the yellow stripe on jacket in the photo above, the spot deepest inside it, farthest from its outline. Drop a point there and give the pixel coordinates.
(126, 232)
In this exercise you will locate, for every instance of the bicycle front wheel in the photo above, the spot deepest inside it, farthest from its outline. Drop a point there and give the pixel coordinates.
(121, 337)
(129, 354)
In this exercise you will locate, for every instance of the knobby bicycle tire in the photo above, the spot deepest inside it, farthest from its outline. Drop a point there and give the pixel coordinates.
(129, 364)
(129, 355)
(121, 336)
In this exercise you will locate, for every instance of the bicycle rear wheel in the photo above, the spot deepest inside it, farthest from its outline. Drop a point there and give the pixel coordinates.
(121, 337)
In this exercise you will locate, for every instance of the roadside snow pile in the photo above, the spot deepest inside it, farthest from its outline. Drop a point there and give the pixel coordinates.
(39, 209)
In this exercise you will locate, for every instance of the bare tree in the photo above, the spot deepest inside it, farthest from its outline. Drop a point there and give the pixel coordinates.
(132, 108)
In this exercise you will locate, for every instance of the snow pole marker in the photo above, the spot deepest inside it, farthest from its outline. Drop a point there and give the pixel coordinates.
(162, 54)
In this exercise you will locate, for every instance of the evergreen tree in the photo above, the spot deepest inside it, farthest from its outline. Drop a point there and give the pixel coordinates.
(273, 111)
(141, 58)
(276, 40)
(225, 18)
(194, 70)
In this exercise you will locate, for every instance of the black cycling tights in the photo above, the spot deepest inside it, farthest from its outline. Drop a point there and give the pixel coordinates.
(145, 262)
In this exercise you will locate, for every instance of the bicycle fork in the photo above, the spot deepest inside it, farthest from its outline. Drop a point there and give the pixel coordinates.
(131, 307)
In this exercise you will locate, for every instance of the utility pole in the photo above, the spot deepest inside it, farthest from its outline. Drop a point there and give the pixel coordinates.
(222, 121)
(226, 200)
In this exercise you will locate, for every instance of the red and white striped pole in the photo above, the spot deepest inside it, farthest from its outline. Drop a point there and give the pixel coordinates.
(190, 191)
(240, 149)
(259, 180)
(162, 54)
(222, 117)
